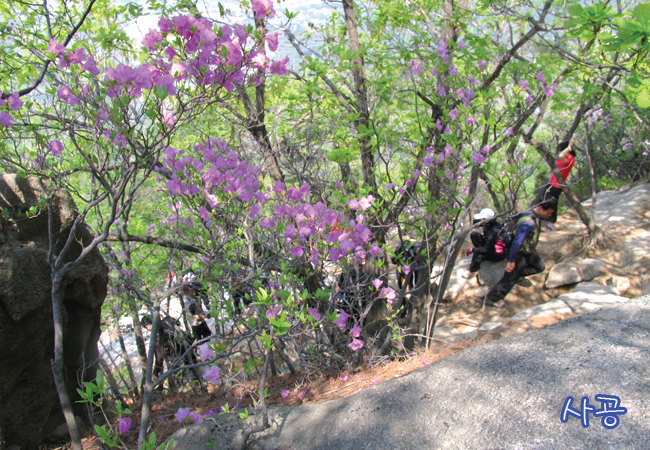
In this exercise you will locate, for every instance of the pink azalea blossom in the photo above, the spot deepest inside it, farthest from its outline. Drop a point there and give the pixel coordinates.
(297, 251)
(406, 269)
(280, 67)
(356, 330)
(169, 119)
(14, 101)
(523, 84)
(56, 147)
(206, 352)
(285, 393)
(52, 47)
(272, 41)
(151, 39)
(356, 344)
(471, 121)
(510, 132)
(342, 319)
(123, 425)
(314, 313)
(374, 381)
(212, 374)
(377, 283)
(540, 77)
(344, 378)
(388, 293)
(478, 158)
(416, 67)
(263, 9)
(461, 45)
(181, 414)
(549, 91)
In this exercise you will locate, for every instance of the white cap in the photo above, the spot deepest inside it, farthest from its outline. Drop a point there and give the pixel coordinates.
(485, 213)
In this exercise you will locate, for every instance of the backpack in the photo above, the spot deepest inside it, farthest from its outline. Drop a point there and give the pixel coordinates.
(509, 228)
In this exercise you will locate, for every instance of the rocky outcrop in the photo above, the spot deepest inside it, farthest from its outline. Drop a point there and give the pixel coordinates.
(28, 399)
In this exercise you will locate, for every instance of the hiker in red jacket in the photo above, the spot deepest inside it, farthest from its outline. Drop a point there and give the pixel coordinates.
(565, 162)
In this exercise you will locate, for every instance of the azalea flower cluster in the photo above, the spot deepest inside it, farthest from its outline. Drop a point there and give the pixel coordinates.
(11, 103)
(218, 175)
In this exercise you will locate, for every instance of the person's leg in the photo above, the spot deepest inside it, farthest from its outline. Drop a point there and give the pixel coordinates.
(534, 264)
(477, 239)
(506, 283)
(478, 256)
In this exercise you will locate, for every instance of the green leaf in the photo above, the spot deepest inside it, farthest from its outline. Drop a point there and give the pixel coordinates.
(244, 415)
(576, 10)
(643, 97)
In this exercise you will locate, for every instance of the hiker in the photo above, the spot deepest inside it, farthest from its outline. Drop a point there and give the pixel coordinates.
(523, 259)
(193, 298)
(487, 246)
(169, 341)
(565, 162)
(404, 256)
(351, 289)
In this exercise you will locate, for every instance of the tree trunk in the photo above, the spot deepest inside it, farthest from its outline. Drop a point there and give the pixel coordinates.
(362, 125)
(148, 382)
(592, 171)
(58, 369)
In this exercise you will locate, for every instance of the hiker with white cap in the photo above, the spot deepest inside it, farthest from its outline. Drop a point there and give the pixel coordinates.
(487, 246)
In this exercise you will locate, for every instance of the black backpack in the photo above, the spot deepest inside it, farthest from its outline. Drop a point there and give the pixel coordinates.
(509, 228)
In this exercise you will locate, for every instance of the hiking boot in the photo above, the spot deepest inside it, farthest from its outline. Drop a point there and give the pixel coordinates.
(467, 275)
(497, 304)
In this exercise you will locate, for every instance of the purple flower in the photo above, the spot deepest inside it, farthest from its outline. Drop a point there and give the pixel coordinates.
(353, 204)
(549, 90)
(416, 67)
(388, 293)
(374, 381)
(478, 158)
(406, 269)
(377, 283)
(206, 352)
(302, 394)
(342, 319)
(471, 121)
(210, 412)
(461, 45)
(263, 9)
(272, 41)
(297, 251)
(123, 425)
(344, 378)
(196, 418)
(181, 414)
(274, 312)
(356, 344)
(212, 374)
(56, 148)
(510, 132)
(540, 77)
(441, 90)
(356, 330)
(284, 393)
(442, 49)
(314, 313)
(6, 119)
(366, 202)
(425, 362)
(151, 39)
(453, 114)
(523, 84)
(14, 101)
(482, 64)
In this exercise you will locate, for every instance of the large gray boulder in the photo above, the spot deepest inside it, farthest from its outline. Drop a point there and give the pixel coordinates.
(507, 394)
(29, 403)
